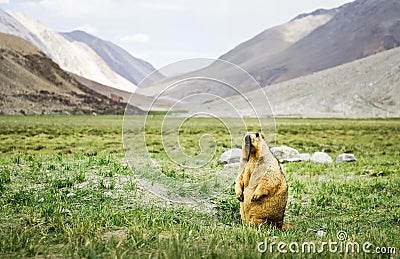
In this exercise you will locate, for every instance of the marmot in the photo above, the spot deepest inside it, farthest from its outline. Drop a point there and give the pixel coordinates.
(261, 186)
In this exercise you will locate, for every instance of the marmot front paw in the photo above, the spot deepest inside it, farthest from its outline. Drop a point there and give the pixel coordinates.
(240, 197)
(256, 197)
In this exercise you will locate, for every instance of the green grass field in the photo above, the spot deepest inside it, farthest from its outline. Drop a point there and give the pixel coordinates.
(67, 191)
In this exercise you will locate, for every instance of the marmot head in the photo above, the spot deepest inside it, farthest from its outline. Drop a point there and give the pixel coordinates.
(252, 143)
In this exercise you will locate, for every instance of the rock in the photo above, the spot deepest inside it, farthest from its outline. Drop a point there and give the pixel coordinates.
(71, 194)
(232, 165)
(288, 154)
(345, 158)
(284, 153)
(321, 157)
(305, 157)
(231, 156)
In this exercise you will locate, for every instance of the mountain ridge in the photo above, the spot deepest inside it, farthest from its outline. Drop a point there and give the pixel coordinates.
(74, 57)
(32, 83)
(355, 32)
(119, 60)
(307, 44)
(363, 88)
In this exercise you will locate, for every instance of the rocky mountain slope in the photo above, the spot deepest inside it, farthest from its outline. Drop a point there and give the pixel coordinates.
(31, 83)
(364, 88)
(119, 60)
(74, 57)
(309, 43)
(354, 31)
(10, 25)
(263, 47)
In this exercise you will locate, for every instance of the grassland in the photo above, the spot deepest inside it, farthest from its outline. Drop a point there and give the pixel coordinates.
(67, 191)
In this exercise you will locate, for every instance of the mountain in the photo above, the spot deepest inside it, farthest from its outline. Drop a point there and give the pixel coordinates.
(263, 47)
(119, 60)
(307, 44)
(74, 57)
(10, 25)
(269, 43)
(31, 83)
(134, 99)
(352, 31)
(364, 88)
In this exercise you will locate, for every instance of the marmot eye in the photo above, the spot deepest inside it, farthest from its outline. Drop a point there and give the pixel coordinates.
(257, 135)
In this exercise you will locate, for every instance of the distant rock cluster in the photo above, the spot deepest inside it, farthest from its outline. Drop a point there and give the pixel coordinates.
(231, 158)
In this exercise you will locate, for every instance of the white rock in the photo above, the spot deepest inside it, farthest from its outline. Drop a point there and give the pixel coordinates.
(231, 156)
(284, 153)
(345, 158)
(305, 157)
(232, 165)
(321, 157)
(288, 154)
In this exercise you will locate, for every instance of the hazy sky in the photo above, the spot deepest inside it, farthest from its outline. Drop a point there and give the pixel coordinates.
(162, 32)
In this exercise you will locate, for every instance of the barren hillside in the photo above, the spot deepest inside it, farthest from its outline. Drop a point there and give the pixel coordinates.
(368, 87)
(31, 83)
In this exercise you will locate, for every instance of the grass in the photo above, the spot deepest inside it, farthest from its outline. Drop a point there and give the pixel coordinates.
(67, 191)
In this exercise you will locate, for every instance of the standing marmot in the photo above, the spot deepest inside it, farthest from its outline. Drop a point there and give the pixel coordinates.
(261, 186)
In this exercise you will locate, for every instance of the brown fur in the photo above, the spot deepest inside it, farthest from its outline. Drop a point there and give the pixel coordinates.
(261, 186)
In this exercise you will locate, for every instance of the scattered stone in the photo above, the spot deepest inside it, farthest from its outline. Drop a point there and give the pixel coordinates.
(232, 165)
(286, 154)
(321, 157)
(71, 194)
(186, 185)
(231, 156)
(346, 157)
(305, 157)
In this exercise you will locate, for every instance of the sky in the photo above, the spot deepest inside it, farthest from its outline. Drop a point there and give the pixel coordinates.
(165, 31)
